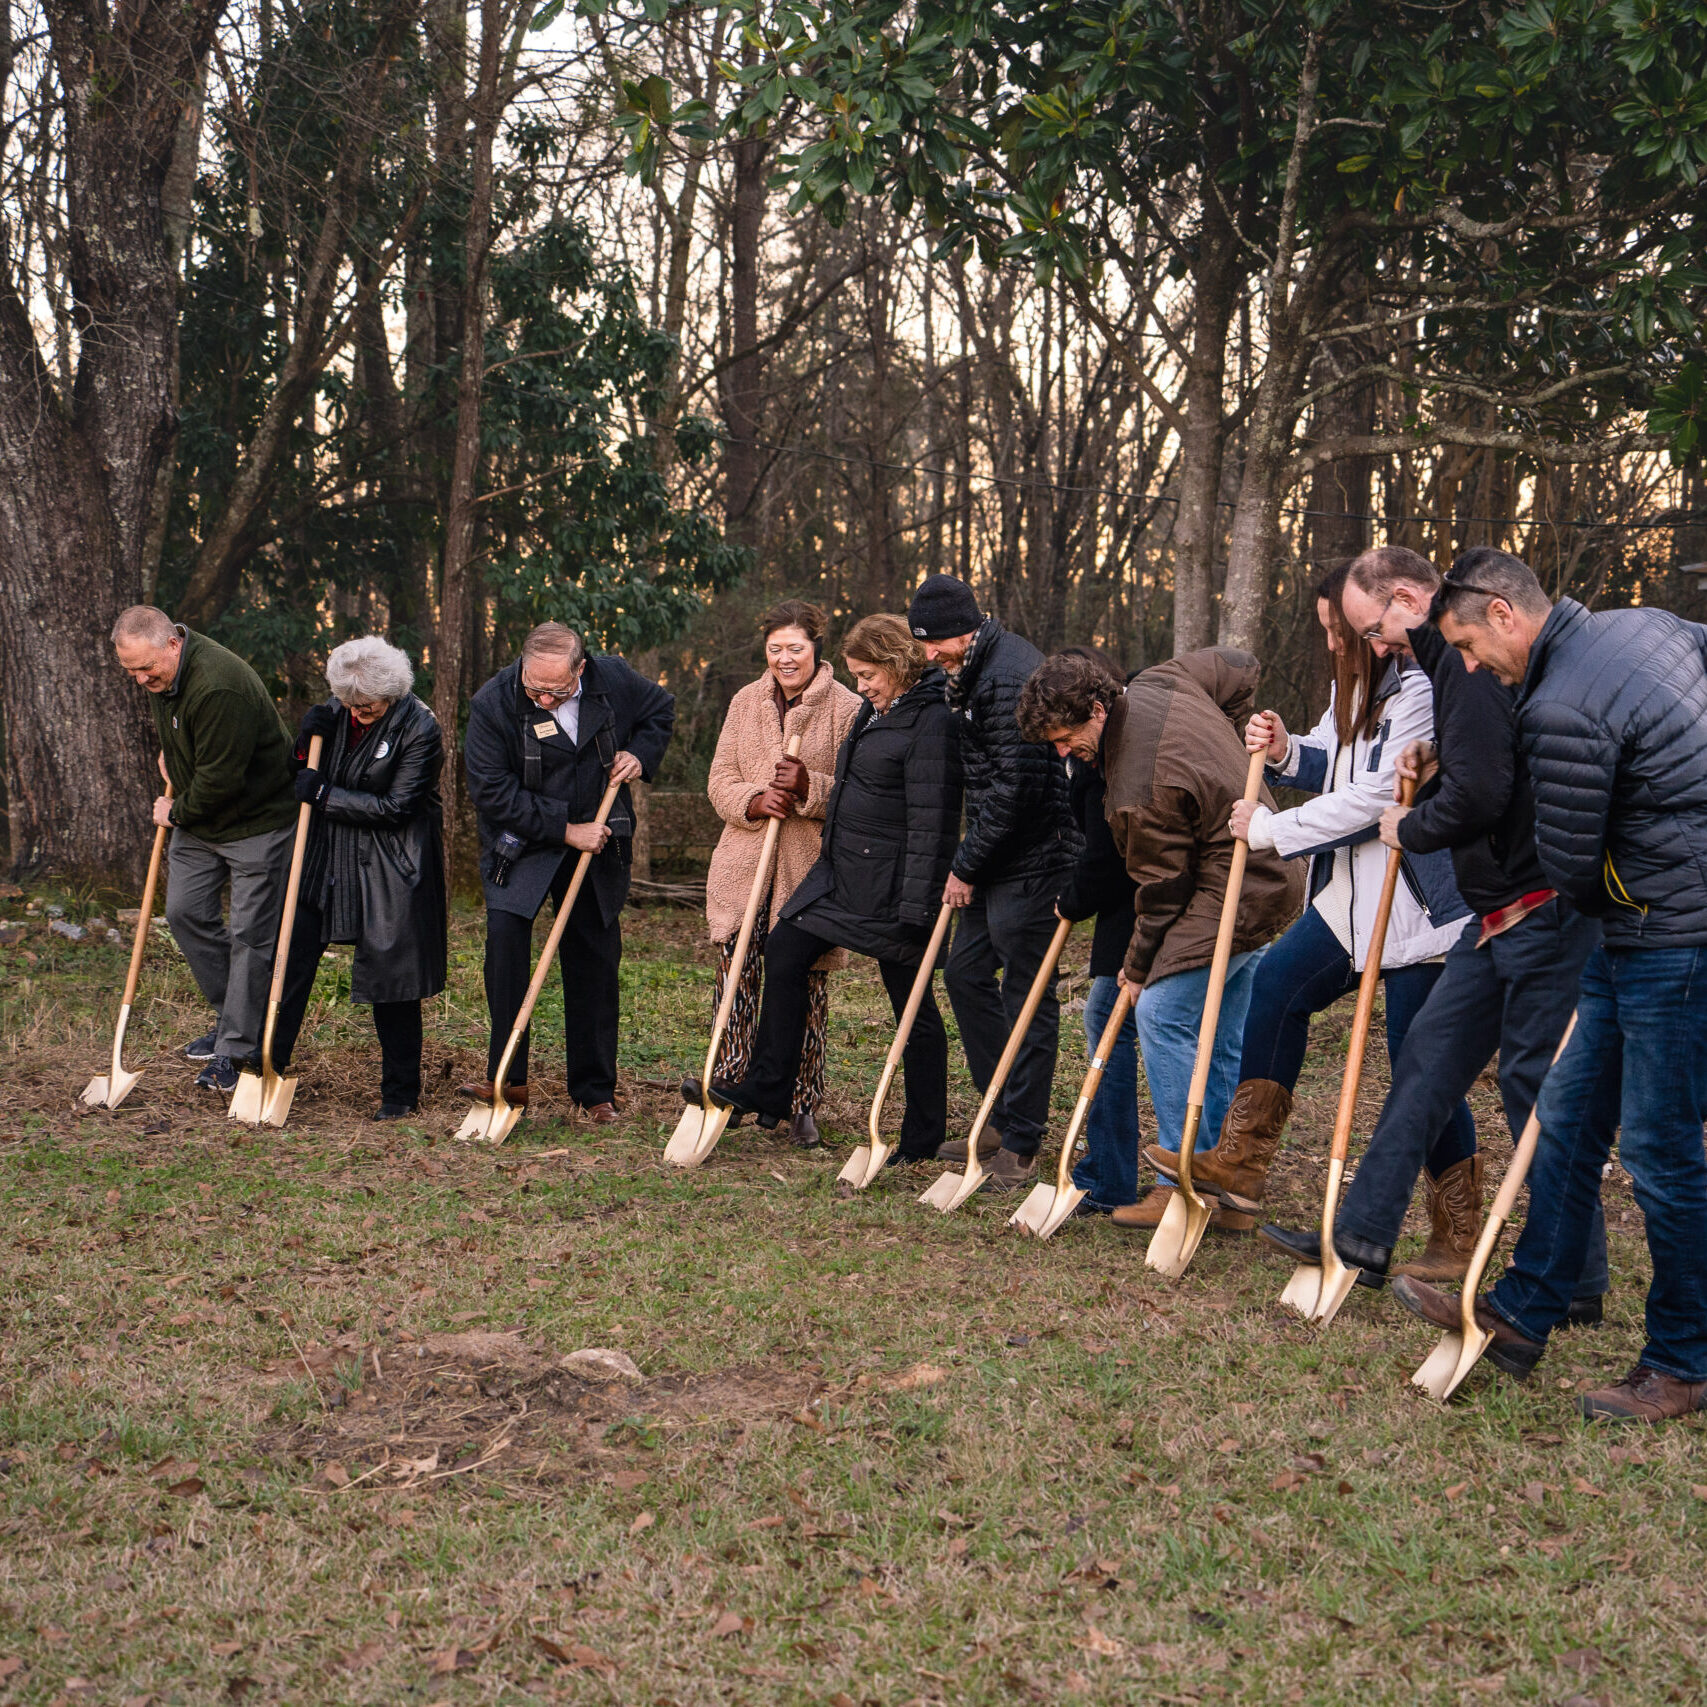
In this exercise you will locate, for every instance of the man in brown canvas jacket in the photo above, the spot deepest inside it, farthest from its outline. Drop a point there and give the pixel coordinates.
(1174, 764)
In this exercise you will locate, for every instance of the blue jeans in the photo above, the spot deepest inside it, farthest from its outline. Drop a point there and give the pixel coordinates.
(1169, 1013)
(1636, 1068)
(1109, 1171)
(1305, 971)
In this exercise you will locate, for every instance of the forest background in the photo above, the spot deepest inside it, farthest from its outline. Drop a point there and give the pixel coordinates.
(440, 319)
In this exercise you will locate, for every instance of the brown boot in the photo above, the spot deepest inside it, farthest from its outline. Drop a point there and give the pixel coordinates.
(1455, 1218)
(1237, 1168)
(1148, 1212)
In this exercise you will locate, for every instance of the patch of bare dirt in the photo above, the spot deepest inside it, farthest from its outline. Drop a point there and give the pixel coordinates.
(409, 1414)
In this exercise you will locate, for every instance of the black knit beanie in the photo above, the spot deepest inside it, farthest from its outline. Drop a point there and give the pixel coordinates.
(942, 608)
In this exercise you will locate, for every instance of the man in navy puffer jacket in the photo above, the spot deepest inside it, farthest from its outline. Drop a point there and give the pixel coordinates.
(1612, 719)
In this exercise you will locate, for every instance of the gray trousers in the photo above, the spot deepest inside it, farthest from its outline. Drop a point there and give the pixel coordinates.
(233, 966)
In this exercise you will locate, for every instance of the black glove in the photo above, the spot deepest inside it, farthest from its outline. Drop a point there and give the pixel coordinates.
(311, 787)
(319, 720)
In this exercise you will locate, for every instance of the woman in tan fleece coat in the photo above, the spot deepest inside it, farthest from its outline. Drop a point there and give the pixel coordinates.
(753, 781)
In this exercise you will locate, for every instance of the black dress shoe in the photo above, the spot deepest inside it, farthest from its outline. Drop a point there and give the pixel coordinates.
(1369, 1260)
(395, 1111)
(1585, 1312)
(732, 1096)
(694, 1097)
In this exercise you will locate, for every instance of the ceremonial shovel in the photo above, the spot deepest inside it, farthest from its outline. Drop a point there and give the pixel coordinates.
(1457, 1354)
(497, 1120)
(1174, 1243)
(866, 1163)
(702, 1123)
(111, 1088)
(1048, 1206)
(264, 1097)
(952, 1190)
(1317, 1291)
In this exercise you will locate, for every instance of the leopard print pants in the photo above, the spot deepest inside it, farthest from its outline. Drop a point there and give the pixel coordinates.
(737, 1050)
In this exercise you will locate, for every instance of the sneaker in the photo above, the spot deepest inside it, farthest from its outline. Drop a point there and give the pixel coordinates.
(1369, 1260)
(202, 1048)
(394, 1111)
(1010, 1172)
(220, 1074)
(1645, 1395)
(1508, 1350)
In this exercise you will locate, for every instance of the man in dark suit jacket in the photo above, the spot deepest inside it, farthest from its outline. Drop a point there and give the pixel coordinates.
(545, 737)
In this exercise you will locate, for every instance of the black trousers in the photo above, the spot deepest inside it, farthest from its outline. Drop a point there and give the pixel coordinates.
(1516, 995)
(1000, 940)
(397, 1023)
(789, 954)
(588, 957)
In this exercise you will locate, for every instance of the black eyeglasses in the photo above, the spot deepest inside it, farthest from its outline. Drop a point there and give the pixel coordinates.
(1448, 588)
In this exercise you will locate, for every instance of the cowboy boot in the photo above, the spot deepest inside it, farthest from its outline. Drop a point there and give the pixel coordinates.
(1455, 1218)
(1237, 1168)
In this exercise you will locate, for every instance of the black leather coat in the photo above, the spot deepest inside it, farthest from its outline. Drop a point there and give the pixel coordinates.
(524, 776)
(1612, 714)
(1018, 820)
(378, 828)
(889, 830)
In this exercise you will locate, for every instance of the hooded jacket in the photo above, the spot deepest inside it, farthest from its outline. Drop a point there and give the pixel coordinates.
(1612, 715)
(1175, 760)
(1338, 830)
(888, 831)
(1018, 821)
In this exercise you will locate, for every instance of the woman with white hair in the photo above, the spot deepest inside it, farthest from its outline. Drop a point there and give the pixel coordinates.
(373, 874)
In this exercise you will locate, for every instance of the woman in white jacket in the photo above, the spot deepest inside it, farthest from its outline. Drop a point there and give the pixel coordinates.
(1346, 762)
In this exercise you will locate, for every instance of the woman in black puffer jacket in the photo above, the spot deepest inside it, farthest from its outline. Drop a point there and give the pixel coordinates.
(890, 830)
(374, 872)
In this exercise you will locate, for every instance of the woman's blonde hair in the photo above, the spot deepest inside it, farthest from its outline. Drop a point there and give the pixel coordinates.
(887, 642)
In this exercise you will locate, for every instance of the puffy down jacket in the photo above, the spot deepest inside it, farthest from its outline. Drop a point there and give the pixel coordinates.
(1018, 820)
(1612, 714)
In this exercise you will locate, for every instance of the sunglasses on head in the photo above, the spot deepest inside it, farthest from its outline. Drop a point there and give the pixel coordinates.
(1443, 594)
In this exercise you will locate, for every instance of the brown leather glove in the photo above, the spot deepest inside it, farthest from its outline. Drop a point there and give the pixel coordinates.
(773, 803)
(792, 777)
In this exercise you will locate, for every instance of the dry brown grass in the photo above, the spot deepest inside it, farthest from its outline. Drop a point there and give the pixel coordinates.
(283, 1416)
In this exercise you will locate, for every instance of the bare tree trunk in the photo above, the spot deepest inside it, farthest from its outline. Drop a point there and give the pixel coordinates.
(78, 470)
(743, 378)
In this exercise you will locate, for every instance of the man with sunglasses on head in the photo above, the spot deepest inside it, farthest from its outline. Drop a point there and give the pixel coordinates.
(1612, 719)
(546, 736)
(1510, 980)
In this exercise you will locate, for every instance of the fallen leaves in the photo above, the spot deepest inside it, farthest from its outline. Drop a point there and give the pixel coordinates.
(642, 1523)
(915, 1376)
(359, 1659)
(576, 1655)
(730, 1624)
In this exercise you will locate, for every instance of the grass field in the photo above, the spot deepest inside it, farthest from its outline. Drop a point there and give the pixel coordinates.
(282, 1417)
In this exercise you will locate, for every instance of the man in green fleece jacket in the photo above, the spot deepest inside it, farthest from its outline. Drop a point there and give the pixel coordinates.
(232, 812)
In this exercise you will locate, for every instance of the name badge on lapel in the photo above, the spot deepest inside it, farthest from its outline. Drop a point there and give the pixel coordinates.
(546, 729)
(382, 749)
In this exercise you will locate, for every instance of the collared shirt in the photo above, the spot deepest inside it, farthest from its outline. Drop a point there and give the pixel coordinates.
(568, 716)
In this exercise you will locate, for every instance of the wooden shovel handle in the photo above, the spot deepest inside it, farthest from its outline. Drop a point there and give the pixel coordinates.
(1016, 1038)
(909, 1013)
(731, 988)
(287, 920)
(146, 910)
(1223, 955)
(1365, 1011)
(1093, 1082)
(555, 935)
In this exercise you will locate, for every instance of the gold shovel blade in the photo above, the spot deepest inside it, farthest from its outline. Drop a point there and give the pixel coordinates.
(1031, 1214)
(1175, 1241)
(1303, 1291)
(1337, 1283)
(1061, 1211)
(95, 1092)
(275, 1107)
(949, 1191)
(1445, 1367)
(248, 1099)
(696, 1135)
(864, 1165)
(475, 1124)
